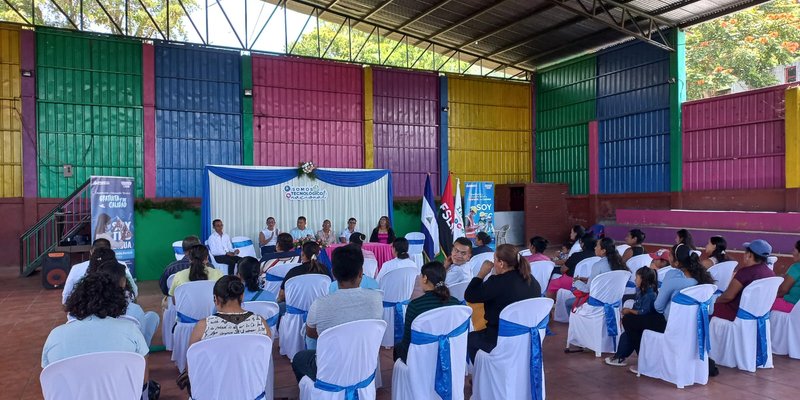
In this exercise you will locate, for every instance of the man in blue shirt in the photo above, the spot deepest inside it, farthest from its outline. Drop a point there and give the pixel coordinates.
(301, 231)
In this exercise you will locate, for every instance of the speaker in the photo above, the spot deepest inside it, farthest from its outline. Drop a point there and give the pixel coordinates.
(55, 269)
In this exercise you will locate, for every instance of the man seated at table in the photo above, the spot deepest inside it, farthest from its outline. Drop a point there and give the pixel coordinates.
(351, 229)
(302, 231)
(221, 248)
(457, 265)
(285, 253)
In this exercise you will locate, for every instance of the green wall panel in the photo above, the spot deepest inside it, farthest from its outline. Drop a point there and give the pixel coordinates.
(155, 232)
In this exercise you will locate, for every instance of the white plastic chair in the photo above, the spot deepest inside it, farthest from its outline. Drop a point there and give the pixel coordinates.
(193, 301)
(587, 325)
(735, 343)
(416, 245)
(370, 267)
(722, 274)
(771, 260)
(477, 261)
(230, 367)
(583, 269)
(634, 263)
(505, 373)
(101, 375)
(458, 290)
(622, 248)
(270, 311)
(415, 378)
(301, 291)
(355, 345)
(675, 355)
(177, 248)
(541, 271)
(245, 246)
(274, 277)
(168, 319)
(785, 329)
(397, 287)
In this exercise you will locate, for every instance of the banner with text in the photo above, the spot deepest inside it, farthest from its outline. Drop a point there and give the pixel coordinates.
(112, 215)
(479, 206)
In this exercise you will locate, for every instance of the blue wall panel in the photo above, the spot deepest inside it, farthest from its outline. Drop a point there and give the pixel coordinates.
(198, 116)
(633, 118)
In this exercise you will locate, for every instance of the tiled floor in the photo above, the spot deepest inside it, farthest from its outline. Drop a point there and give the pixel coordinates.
(28, 312)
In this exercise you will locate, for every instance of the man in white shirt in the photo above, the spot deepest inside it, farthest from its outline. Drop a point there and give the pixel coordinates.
(347, 232)
(221, 248)
(301, 231)
(457, 265)
(79, 270)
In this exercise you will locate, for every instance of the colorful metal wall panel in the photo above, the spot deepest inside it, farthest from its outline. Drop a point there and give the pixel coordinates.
(10, 113)
(735, 141)
(793, 137)
(198, 116)
(307, 110)
(633, 112)
(565, 104)
(89, 109)
(489, 130)
(406, 128)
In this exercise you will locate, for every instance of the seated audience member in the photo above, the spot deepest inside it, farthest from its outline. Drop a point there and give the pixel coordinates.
(96, 303)
(634, 239)
(221, 248)
(638, 316)
(482, 241)
(753, 267)
(401, 258)
(458, 267)
(383, 233)
(683, 236)
(610, 260)
(575, 235)
(285, 253)
(715, 250)
(116, 271)
(789, 291)
(310, 265)
(198, 270)
(349, 303)
(230, 318)
(436, 295)
(326, 236)
(268, 238)
(301, 231)
(344, 237)
(588, 244)
(661, 264)
(537, 247)
(687, 272)
(357, 239)
(179, 265)
(79, 270)
(366, 281)
(250, 274)
(511, 281)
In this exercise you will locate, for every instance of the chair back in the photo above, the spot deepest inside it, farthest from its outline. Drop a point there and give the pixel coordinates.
(541, 271)
(477, 261)
(663, 273)
(177, 247)
(195, 299)
(771, 260)
(584, 268)
(758, 296)
(245, 246)
(634, 263)
(458, 290)
(398, 284)
(698, 253)
(114, 375)
(169, 280)
(622, 248)
(355, 345)
(222, 267)
(302, 290)
(722, 274)
(416, 242)
(682, 329)
(609, 287)
(265, 309)
(525, 253)
(271, 283)
(229, 367)
(370, 267)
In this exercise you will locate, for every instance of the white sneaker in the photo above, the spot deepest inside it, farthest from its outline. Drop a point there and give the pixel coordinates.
(616, 362)
(634, 370)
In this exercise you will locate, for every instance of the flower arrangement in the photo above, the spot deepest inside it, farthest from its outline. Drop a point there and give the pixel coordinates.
(307, 168)
(298, 243)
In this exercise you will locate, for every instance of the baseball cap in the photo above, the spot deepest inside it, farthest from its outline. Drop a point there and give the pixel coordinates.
(661, 254)
(759, 246)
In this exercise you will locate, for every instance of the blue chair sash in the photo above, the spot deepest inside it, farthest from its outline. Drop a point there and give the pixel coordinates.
(761, 339)
(444, 374)
(703, 333)
(297, 311)
(509, 329)
(631, 285)
(186, 319)
(178, 249)
(416, 241)
(273, 278)
(718, 291)
(243, 243)
(610, 318)
(350, 392)
(273, 320)
(261, 396)
(399, 317)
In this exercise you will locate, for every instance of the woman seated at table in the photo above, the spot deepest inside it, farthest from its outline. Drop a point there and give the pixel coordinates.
(383, 233)
(310, 265)
(400, 260)
(326, 236)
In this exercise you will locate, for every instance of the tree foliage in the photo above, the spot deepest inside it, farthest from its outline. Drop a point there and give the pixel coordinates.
(742, 47)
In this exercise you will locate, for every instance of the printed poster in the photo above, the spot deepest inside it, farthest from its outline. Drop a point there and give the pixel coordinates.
(112, 215)
(479, 208)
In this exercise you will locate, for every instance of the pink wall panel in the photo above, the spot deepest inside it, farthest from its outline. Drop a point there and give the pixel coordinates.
(307, 110)
(735, 141)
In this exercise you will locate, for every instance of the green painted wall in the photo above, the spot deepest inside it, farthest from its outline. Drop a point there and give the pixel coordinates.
(677, 95)
(155, 232)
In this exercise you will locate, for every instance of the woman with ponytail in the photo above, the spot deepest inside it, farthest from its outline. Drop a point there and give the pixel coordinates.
(401, 258)
(310, 265)
(610, 260)
(230, 317)
(436, 295)
(511, 281)
(198, 270)
(250, 274)
(716, 250)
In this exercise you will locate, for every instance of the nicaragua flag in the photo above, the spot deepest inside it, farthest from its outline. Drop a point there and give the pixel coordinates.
(430, 227)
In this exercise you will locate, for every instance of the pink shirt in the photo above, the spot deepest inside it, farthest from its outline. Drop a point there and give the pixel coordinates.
(383, 238)
(537, 257)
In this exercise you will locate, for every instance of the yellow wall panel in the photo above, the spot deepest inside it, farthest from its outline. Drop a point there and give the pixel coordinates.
(490, 130)
(369, 141)
(792, 137)
(10, 112)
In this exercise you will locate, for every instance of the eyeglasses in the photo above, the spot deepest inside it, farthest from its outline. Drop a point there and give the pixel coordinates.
(457, 251)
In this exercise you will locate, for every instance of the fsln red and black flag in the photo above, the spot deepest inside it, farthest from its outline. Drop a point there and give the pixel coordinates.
(445, 217)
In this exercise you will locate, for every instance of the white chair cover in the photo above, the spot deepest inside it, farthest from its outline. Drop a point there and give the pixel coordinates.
(168, 319)
(416, 379)
(477, 261)
(662, 273)
(270, 311)
(722, 274)
(370, 267)
(785, 329)
(193, 302)
(458, 290)
(354, 345)
(416, 244)
(230, 367)
(274, 277)
(584, 269)
(101, 375)
(177, 248)
(149, 325)
(541, 271)
(301, 291)
(505, 373)
(771, 260)
(622, 248)
(736, 343)
(634, 263)
(221, 267)
(590, 325)
(674, 355)
(245, 246)
(397, 287)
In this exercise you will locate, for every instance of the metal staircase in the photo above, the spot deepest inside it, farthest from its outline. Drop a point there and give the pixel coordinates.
(63, 221)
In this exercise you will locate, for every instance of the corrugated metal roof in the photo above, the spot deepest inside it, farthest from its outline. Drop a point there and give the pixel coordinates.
(524, 34)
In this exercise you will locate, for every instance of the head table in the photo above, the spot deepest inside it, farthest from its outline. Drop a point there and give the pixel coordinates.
(383, 252)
